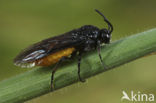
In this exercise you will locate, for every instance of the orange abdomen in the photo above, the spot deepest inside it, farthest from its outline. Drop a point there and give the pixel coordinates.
(54, 57)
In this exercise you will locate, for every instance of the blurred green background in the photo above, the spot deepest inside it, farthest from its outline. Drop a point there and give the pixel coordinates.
(24, 22)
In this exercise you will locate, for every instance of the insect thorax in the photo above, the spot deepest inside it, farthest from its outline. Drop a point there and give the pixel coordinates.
(89, 34)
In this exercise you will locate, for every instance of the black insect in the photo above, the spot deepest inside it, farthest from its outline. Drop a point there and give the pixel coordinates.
(57, 49)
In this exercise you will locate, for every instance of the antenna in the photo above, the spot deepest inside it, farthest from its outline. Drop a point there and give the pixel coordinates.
(110, 26)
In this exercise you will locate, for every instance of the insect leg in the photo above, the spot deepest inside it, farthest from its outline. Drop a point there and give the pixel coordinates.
(99, 53)
(54, 70)
(79, 62)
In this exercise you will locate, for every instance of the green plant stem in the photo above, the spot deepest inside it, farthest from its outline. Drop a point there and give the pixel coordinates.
(36, 82)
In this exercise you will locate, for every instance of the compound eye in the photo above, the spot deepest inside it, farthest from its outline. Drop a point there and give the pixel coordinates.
(107, 35)
(105, 38)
